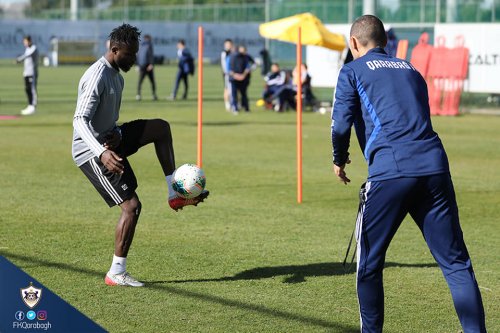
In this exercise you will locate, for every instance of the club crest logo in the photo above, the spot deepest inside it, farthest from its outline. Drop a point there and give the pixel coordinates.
(31, 295)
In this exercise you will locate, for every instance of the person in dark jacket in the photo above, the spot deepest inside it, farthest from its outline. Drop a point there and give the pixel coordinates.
(275, 80)
(266, 62)
(145, 62)
(386, 100)
(186, 67)
(392, 42)
(239, 71)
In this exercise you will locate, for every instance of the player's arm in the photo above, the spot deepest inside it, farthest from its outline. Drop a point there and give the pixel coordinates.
(229, 64)
(86, 107)
(345, 105)
(27, 53)
(113, 138)
(282, 78)
(223, 64)
(150, 58)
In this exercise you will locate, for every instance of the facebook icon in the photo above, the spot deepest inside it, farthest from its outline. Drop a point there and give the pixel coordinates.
(19, 315)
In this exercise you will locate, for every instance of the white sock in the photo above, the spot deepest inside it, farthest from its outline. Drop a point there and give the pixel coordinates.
(171, 192)
(118, 266)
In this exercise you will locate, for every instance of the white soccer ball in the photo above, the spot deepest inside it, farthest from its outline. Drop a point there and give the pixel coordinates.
(188, 181)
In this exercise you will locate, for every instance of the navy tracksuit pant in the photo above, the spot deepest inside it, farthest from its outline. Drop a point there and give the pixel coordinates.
(430, 201)
(181, 76)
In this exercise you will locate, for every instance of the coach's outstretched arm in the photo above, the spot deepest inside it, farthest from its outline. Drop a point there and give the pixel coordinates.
(345, 106)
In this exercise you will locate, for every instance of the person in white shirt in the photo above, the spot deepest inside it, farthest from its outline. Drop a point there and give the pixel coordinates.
(30, 73)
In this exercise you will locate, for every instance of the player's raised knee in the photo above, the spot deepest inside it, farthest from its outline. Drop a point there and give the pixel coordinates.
(162, 125)
(132, 206)
(159, 127)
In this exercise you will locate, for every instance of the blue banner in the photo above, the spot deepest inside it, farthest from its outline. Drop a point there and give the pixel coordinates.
(28, 306)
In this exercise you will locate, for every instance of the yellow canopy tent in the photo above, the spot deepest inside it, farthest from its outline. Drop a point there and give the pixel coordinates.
(313, 31)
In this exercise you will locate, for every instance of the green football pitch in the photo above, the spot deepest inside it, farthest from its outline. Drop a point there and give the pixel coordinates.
(249, 259)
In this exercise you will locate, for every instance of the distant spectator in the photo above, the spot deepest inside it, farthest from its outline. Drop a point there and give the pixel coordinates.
(54, 50)
(392, 43)
(251, 61)
(186, 67)
(348, 57)
(30, 73)
(239, 71)
(287, 95)
(145, 61)
(266, 62)
(307, 93)
(275, 80)
(224, 60)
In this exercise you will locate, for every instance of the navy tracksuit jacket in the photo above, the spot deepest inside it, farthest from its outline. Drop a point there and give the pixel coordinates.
(386, 100)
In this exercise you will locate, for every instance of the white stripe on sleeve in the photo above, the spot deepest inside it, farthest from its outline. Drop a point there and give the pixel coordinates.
(85, 111)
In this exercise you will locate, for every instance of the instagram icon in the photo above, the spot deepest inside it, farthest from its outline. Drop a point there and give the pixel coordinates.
(41, 315)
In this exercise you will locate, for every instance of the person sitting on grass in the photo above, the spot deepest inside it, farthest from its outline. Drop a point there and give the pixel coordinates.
(275, 80)
(287, 94)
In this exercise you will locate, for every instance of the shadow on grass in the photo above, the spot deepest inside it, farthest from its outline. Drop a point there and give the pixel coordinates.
(293, 273)
(317, 322)
(232, 123)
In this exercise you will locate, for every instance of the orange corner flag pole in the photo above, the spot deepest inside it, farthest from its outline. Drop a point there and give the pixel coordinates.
(200, 95)
(299, 117)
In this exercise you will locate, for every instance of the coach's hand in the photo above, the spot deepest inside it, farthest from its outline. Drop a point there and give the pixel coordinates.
(340, 172)
(112, 161)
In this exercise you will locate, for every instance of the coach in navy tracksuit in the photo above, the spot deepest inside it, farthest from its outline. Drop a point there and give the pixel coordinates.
(185, 67)
(386, 100)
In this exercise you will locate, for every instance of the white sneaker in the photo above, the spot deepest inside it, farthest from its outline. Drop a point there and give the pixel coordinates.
(30, 109)
(138, 97)
(123, 279)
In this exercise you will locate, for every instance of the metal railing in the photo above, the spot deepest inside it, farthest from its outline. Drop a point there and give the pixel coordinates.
(329, 11)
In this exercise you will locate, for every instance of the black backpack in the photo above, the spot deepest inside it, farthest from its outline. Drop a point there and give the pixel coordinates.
(190, 63)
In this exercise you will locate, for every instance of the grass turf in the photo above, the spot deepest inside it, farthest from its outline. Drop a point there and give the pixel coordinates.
(249, 259)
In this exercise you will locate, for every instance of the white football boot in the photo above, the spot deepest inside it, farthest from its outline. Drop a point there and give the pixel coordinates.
(123, 279)
(28, 111)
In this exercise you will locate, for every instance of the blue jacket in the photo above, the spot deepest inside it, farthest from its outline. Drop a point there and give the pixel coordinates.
(145, 56)
(239, 63)
(387, 101)
(186, 61)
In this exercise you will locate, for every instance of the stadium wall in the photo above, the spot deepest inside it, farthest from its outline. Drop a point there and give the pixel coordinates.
(165, 35)
(484, 55)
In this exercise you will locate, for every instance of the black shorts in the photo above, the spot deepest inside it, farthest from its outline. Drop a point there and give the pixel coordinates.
(115, 188)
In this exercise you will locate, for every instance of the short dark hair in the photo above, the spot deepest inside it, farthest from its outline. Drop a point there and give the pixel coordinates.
(369, 28)
(228, 40)
(27, 37)
(182, 42)
(124, 34)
